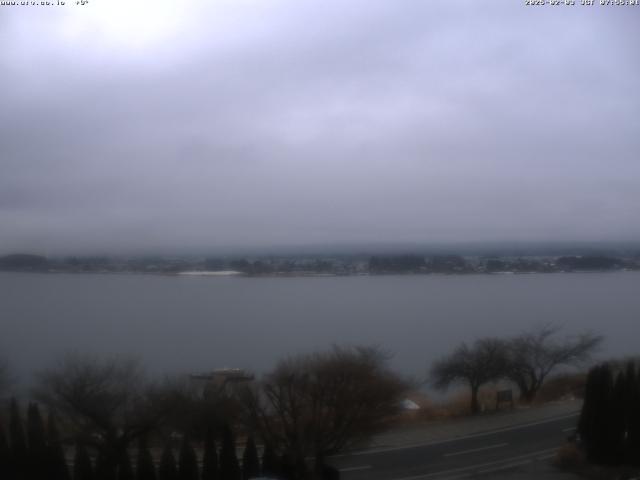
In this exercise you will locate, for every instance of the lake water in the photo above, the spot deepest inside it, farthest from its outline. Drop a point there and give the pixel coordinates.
(186, 324)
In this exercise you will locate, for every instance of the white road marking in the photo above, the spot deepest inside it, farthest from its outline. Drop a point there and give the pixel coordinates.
(506, 466)
(547, 457)
(472, 468)
(455, 439)
(571, 429)
(463, 452)
(354, 469)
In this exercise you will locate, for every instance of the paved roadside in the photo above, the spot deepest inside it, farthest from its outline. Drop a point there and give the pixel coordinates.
(451, 429)
(533, 470)
(518, 444)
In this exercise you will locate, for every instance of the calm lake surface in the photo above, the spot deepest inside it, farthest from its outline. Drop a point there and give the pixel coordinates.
(186, 324)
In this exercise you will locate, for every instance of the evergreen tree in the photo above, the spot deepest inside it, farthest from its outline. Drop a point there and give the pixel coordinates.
(56, 460)
(188, 461)
(146, 470)
(603, 414)
(105, 468)
(586, 424)
(19, 451)
(633, 415)
(168, 469)
(250, 462)
(229, 467)
(270, 464)
(210, 458)
(125, 471)
(629, 391)
(585, 413)
(287, 467)
(617, 428)
(609, 426)
(82, 467)
(38, 458)
(5, 455)
(326, 472)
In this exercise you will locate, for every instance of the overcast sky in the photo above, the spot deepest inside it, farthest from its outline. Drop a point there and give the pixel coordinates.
(132, 126)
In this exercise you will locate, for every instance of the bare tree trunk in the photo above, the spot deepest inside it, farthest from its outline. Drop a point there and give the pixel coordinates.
(475, 405)
(527, 395)
(528, 392)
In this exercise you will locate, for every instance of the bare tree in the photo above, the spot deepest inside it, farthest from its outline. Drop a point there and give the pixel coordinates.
(475, 365)
(105, 399)
(192, 409)
(535, 354)
(316, 405)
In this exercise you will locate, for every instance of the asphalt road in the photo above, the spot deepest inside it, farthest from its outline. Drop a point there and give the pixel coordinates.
(474, 455)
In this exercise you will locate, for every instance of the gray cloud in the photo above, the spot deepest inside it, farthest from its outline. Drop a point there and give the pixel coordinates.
(310, 122)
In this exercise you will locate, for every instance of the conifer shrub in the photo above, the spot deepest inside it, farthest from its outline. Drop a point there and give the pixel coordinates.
(229, 466)
(168, 469)
(210, 470)
(188, 461)
(250, 461)
(82, 466)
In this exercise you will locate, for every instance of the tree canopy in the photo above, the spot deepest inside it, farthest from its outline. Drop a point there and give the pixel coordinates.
(320, 404)
(475, 365)
(106, 400)
(533, 355)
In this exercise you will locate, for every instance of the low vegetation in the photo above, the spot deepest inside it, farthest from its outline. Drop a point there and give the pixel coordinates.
(116, 424)
(308, 407)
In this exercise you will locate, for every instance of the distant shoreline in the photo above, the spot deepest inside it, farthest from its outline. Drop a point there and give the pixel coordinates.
(232, 274)
(323, 266)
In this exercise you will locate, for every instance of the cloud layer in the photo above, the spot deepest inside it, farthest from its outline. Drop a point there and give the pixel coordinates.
(152, 125)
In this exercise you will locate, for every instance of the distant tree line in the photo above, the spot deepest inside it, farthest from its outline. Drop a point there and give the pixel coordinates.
(400, 263)
(410, 263)
(526, 360)
(23, 261)
(589, 263)
(609, 425)
(419, 264)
